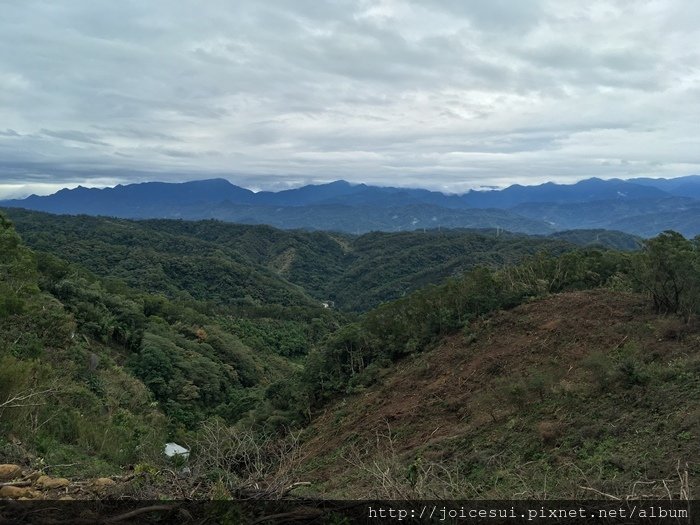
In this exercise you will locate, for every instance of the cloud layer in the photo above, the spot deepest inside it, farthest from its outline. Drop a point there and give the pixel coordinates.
(443, 94)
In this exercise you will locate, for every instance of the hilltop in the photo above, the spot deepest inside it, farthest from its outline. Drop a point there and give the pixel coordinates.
(559, 398)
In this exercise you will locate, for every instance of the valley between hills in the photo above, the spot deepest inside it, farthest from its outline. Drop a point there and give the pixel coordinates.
(462, 363)
(307, 262)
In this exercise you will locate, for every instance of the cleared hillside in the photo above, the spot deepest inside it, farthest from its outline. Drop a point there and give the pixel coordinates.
(575, 395)
(547, 378)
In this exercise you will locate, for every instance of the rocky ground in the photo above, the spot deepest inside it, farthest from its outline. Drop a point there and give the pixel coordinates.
(20, 483)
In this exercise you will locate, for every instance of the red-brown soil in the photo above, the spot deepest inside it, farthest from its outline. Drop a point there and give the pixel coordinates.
(454, 391)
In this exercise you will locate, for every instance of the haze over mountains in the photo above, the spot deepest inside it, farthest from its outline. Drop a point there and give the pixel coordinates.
(642, 206)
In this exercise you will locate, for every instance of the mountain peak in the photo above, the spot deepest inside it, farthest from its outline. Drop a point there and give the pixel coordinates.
(341, 202)
(218, 180)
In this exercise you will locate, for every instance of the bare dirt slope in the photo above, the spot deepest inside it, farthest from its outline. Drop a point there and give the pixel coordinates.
(575, 395)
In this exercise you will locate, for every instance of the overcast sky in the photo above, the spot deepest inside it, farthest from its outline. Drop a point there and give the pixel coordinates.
(446, 94)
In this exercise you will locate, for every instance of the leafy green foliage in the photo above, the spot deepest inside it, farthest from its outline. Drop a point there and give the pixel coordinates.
(98, 358)
(253, 266)
(137, 329)
(144, 258)
(610, 239)
(669, 269)
(286, 338)
(52, 399)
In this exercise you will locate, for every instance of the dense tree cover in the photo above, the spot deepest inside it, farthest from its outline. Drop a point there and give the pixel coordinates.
(104, 358)
(353, 355)
(286, 338)
(137, 358)
(601, 239)
(61, 394)
(308, 259)
(669, 270)
(179, 266)
(387, 266)
(259, 265)
(192, 358)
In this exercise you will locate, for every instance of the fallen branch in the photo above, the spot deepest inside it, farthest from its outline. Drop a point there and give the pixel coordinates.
(22, 399)
(295, 485)
(137, 512)
(602, 493)
(683, 477)
(293, 515)
(16, 484)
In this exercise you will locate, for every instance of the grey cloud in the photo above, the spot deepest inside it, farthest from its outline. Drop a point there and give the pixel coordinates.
(445, 94)
(135, 133)
(73, 136)
(492, 14)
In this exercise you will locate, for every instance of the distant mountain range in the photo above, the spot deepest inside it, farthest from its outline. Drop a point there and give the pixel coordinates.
(641, 206)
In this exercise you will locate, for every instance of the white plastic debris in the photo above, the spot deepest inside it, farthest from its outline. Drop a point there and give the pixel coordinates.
(173, 449)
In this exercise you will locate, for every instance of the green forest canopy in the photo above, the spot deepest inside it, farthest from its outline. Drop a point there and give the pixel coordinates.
(108, 352)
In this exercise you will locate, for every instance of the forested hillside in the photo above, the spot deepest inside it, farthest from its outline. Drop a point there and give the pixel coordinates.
(62, 392)
(174, 264)
(86, 358)
(232, 264)
(594, 364)
(349, 261)
(267, 387)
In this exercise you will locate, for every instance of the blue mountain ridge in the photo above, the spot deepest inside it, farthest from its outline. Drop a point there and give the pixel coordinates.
(351, 207)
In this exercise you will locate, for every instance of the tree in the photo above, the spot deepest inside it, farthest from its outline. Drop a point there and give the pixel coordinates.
(17, 265)
(669, 271)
